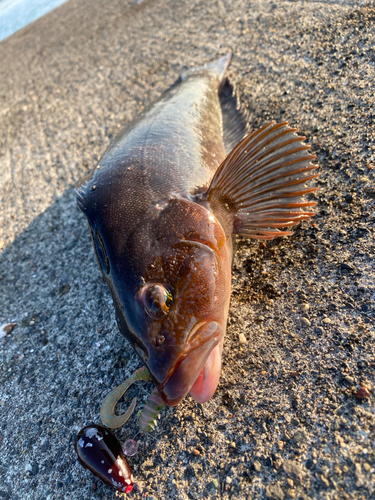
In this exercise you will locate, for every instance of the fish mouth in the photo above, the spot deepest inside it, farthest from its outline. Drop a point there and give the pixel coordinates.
(198, 368)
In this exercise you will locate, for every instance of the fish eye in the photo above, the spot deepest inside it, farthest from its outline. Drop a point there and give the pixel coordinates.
(157, 300)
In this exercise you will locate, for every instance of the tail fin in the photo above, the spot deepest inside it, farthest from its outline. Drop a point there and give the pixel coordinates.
(262, 182)
(235, 119)
(218, 66)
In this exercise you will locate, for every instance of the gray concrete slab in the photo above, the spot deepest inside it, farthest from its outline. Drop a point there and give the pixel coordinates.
(284, 422)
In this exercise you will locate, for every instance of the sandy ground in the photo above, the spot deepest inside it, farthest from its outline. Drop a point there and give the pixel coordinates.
(284, 423)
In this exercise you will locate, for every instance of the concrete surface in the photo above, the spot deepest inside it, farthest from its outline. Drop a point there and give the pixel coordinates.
(284, 423)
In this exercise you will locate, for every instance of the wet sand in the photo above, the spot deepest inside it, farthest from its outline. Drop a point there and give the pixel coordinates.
(285, 422)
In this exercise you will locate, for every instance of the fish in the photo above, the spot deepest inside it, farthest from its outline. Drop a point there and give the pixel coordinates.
(164, 206)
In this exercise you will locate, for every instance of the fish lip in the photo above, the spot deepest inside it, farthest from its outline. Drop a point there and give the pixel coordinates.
(196, 332)
(201, 351)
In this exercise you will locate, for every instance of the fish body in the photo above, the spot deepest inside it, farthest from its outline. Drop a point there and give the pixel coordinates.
(163, 207)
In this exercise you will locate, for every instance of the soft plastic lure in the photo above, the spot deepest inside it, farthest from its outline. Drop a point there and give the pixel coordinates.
(149, 413)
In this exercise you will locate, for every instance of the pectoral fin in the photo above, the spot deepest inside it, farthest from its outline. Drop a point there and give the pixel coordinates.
(262, 181)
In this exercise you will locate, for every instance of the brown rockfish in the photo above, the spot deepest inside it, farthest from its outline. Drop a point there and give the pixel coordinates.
(164, 205)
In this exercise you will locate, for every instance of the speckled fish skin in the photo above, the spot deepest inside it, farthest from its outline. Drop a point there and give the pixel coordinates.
(153, 221)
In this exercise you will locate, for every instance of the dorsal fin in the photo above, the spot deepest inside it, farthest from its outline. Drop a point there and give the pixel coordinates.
(261, 182)
(235, 117)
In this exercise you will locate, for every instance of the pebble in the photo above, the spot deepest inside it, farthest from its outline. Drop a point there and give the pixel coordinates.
(215, 484)
(363, 392)
(306, 321)
(6, 328)
(299, 437)
(257, 466)
(242, 339)
(310, 463)
(211, 438)
(319, 330)
(360, 478)
(345, 266)
(305, 307)
(277, 464)
(324, 481)
(326, 321)
(280, 445)
(275, 492)
(293, 470)
(228, 480)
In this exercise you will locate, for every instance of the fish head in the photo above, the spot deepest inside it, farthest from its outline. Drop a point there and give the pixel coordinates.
(182, 298)
(170, 280)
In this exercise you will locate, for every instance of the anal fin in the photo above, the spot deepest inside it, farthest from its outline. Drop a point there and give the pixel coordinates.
(261, 183)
